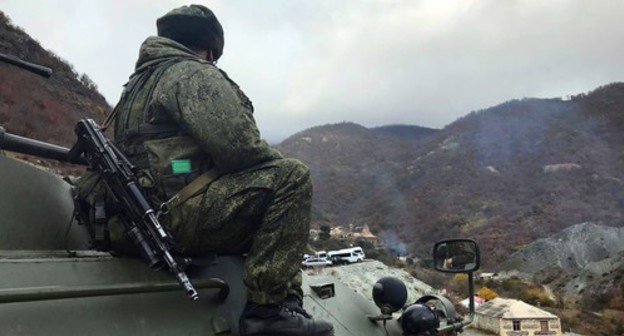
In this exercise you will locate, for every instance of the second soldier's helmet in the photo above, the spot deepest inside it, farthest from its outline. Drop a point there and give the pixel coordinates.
(194, 26)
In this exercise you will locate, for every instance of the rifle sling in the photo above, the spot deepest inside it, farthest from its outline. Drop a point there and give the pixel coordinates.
(193, 188)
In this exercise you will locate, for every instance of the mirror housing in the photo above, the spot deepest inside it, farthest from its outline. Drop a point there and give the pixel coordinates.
(456, 256)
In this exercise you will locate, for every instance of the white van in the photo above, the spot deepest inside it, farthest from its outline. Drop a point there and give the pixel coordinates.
(357, 250)
(344, 257)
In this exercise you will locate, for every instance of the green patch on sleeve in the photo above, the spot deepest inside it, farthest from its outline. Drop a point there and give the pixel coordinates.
(181, 166)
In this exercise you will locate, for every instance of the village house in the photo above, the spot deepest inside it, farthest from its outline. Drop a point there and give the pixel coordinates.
(366, 235)
(507, 317)
(354, 233)
(339, 232)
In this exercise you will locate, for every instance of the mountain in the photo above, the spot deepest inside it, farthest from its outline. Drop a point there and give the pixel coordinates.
(506, 176)
(355, 168)
(33, 106)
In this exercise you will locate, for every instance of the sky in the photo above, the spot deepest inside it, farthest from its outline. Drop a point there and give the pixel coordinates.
(306, 63)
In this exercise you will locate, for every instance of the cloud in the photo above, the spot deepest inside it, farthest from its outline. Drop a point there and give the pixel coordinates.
(311, 62)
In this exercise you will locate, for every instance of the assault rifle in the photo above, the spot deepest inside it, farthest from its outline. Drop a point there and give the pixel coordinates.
(140, 220)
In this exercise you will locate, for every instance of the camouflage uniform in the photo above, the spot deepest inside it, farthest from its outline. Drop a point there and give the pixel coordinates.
(178, 107)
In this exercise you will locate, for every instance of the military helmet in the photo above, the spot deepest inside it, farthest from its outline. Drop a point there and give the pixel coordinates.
(194, 26)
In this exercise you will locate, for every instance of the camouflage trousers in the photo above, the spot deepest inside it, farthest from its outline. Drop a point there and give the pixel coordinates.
(263, 211)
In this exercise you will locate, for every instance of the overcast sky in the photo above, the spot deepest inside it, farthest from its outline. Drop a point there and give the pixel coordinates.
(374, 62)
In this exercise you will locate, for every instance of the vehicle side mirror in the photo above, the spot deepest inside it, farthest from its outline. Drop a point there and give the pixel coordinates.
(456, 256)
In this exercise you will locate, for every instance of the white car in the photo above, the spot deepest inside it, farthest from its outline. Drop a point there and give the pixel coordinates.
(316, 262)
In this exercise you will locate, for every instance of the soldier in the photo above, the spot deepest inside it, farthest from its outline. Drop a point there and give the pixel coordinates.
(191, 131)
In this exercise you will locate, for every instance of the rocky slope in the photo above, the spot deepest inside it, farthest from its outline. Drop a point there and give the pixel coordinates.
(572, 250)
(584, 263)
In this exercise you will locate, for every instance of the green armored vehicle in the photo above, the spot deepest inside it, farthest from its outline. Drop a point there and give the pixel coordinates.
(54, 283)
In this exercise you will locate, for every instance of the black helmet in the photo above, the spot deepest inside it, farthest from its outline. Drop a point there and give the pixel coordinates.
(419, 320)
(194, 26)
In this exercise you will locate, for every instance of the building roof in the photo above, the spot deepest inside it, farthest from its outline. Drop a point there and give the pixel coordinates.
(512, 309)
(366, 233)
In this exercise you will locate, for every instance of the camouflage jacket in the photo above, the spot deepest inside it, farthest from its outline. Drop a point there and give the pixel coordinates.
(180, 115)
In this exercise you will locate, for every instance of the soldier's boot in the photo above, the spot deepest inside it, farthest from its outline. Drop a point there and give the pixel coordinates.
(281, 320)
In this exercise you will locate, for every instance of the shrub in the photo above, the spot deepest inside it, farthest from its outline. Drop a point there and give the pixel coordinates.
(487, 294)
